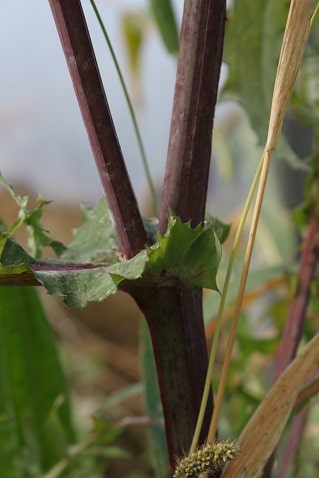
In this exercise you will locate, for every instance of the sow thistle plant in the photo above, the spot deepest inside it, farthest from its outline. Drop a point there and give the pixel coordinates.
(164, 264)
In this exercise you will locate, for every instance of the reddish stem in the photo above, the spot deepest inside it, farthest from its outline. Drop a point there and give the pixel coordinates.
(298, 306)
(189, 151)
(79, 54)
(293, 443)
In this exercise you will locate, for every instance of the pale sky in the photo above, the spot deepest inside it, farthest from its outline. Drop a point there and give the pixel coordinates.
(42, 139)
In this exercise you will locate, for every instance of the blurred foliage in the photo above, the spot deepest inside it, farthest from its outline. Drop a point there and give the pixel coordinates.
(164, 17)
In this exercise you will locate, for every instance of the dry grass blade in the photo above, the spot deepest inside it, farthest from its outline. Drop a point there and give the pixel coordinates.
(263, 431)
(293, 46)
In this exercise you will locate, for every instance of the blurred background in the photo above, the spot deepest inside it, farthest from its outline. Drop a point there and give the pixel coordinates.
(43, 143)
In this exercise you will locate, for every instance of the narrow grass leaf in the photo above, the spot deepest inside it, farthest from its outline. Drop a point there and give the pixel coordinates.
(156, 435)
(164, 16)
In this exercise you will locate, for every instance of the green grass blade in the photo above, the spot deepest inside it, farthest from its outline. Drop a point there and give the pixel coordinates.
(157, 440)
(131, 110)
(164, 16)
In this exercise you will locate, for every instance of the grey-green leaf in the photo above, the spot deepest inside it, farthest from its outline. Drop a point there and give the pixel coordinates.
(95, 240)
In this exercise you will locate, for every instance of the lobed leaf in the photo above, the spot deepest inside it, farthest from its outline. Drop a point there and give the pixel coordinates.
(31, 218)
(91, 268)
(185, 255)
(95, 240)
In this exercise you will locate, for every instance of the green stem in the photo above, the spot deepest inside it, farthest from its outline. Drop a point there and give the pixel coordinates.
(131, 110)
(314, 16)
(73, 452)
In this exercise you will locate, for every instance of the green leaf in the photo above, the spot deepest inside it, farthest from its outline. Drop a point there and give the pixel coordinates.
(78, 286)
(221, 229)
(31, 218)
(185, 255)
(254, 32)
(95, 240)
(14, 255)
(156, 432)
(256, 279)
(36, 427)
(120, 395)
(164, 16)
(38, 236)
(253, 37)
(302, 214)
(250, 344)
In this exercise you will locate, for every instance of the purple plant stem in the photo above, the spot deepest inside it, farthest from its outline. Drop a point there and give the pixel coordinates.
(79, 54)
(181, 360)
(176, 328)
(198, 72)
(293, 443)
(298, 306)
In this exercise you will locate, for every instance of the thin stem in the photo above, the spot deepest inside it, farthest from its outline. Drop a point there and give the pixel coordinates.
(306, 394)
(298, 306)
(314, 16)
(293, 443)
(212, 356)
(73, 452)
(241, 291)
(131, 110)
(79, 54)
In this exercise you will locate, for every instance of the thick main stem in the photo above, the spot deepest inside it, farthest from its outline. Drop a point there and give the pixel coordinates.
(180, 353)
(181, 359)
(79, 54)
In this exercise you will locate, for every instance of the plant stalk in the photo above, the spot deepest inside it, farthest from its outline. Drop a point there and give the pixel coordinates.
(177, 328)
(81, 61)
(298, 306)
(181, 359)
(189, 149)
